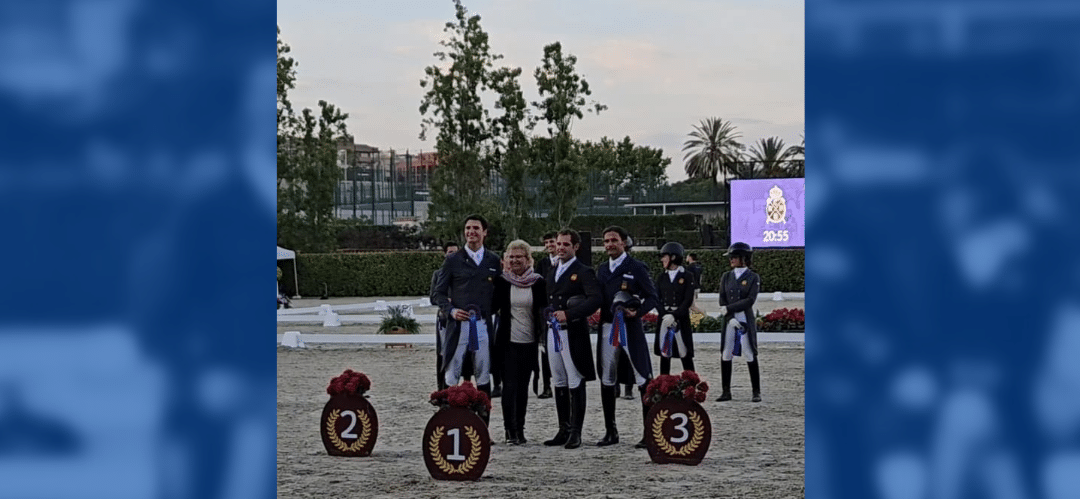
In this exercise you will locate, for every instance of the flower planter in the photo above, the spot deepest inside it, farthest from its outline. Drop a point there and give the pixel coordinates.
(398, 330)
(349, 426)
(456, 445)
(678, 431)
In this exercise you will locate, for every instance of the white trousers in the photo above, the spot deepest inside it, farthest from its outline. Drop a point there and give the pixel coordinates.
(729, 343)
(609, 364)
(563, 371)
(481, 357)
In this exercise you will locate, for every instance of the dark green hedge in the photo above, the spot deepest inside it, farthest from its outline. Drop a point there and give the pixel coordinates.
(408, 273)
(404, 273)
(639, 226)
(690, 239)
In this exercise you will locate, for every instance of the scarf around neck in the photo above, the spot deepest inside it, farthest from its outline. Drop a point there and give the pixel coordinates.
(522, 281)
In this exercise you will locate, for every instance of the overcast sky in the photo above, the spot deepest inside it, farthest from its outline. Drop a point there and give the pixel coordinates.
(660, 66)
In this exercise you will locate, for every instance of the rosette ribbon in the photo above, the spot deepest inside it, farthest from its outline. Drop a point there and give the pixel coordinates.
(737, 350)
(474, 335)
(669, 339)
(553, 323)
(618, 328)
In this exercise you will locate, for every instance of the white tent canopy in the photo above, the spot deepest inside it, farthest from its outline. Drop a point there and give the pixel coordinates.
(285, 254)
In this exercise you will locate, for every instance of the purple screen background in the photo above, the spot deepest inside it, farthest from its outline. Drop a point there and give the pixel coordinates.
(748, 217)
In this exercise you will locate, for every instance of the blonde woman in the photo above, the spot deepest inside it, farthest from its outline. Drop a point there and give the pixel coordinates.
(519, 301)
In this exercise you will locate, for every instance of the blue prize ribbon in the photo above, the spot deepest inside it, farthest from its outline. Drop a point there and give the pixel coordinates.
(618, 328)
(669, 339)
(474, 335)
(554, 324)
(737, 351)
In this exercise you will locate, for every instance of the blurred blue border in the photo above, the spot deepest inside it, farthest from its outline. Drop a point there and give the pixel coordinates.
(942, 275)
(137, 183)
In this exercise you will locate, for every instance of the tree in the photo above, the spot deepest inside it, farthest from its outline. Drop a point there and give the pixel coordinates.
(563, 98)
(625, 167)
(771, 157)
(511, 149)
(712, 150)
(307, 170)
(461, 184)
(797, 165)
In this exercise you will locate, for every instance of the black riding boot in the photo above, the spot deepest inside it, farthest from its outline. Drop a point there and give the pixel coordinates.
(509, 410)
(755, 380)
(562, 408)
(644, 418)
(522, 397)
(607, 398)
(577, 416)
(487, 391)
(725, 380)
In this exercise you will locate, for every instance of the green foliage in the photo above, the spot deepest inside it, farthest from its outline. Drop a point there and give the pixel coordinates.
(368, 274)
(688, 238)
(461, 185)
(562, 99)
(512, 150)
(625, 167)
(712, 149)
(408, 273)
(710, 324)
(307, 170)
(697, 190)
(640, 227)
(395, 318)
(780, 269)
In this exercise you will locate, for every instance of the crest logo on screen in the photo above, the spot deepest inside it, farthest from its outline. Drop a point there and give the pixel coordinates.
(776, 206)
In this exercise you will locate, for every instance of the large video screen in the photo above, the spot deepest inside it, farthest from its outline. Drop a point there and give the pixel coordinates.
(768, 213)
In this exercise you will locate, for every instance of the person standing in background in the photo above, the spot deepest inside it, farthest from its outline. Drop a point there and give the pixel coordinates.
(542, 267)
(675, 286)
(738, 292)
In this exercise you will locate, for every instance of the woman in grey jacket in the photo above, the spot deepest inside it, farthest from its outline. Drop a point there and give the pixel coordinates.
(738, 292)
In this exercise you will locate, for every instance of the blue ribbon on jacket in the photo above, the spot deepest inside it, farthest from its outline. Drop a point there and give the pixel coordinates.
(618, 328)
(737, 350)
(553, 323)
(669, 339)
(474, 335)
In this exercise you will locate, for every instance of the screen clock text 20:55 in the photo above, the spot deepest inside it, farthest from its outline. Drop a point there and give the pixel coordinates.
(775, 236)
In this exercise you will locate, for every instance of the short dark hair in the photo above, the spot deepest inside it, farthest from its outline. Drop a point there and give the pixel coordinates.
(575, 238)
(448, 244)
(549, 235)
(618, 230)
(483, 221)
(692, 255)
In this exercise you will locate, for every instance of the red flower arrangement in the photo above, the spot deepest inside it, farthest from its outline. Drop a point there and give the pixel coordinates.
(783, 319)
(349, 382)
(648, 322)
(686, 386)
(464, 395)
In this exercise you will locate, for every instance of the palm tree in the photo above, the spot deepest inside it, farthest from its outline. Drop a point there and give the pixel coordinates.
(712, 150)
(797, 167)
(774, 158)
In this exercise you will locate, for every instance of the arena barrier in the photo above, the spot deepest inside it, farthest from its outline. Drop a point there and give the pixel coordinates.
(300, 339)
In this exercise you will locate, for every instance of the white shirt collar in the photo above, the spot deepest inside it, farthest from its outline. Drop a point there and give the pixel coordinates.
(614, 264)
(554, 259)
(477, 256)
(739, 271)
(672, 273)
(562, 268)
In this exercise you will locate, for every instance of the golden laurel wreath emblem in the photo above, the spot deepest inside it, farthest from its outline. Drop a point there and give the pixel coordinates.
(671, 450)
(331, 431)
(474, 452)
